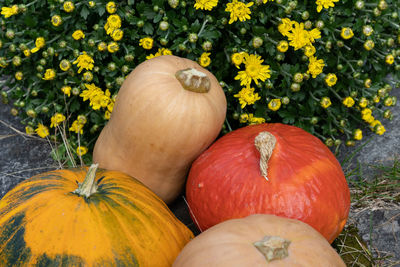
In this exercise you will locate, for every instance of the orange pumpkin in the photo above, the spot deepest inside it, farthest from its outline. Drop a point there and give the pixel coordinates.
(271, 169)
(259, 240)
(168, 110)
(110, 220)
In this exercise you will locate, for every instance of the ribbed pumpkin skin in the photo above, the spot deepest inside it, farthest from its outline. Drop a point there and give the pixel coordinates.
(157, 128)
(230, 244)
(124, 224)
(306, 182)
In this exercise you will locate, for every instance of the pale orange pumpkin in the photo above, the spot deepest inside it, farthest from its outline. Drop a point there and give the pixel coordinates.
(168, 110)
(259, 240)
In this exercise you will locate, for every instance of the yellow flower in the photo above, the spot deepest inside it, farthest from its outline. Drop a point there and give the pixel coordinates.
(77, 127)
(388, 101)
(111, 7)
(66, 90)
(87, 76)
(68, 6)
(369, 45)
(82, 119)
(81, 150)
(367, 30)
(204, 59)
(367, 83)
(238, 10)
(389, 59)
(84, 61)
(110, 106)
(160, 52)
(102, 46)
(254, 70)
(282, 46)
(91, 92)
(347, 33)
(243, 118)
(113, 23)
(39, 43)
(324, 4)
(27, 52)
(380, 129)
(298, 37)
(19, 75)
(107, 115)
(274, 104)
(146, 43)
(247, 96)
(50, 74)
(65, 65)
(112, 47)
(9, 11)
(56, 20)
(330, 79)
(205, 4)
(237, 58)
(29, 130)
(286, 26)
(309, 50)
(348, 101)
(314, 34)
(325, 102)
(363, 102)
(42, 130)
(92, 4)
(357, 135)
(366, 112)
(315, 66)
(56, 119)
(255, 120)
(117, 34)
(78, 34)
(3, 62)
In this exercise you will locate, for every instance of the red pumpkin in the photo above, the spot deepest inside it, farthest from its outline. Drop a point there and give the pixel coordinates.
(283, 171)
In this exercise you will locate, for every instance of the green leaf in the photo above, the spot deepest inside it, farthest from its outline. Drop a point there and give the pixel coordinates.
(131, 2)
(101, 10)
(210, 35)
(148, 28)
(85, 12)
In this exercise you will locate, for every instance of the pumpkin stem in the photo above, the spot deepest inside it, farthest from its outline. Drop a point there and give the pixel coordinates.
(265, 144)
(88, 187)
(193, 80)
(273, 247)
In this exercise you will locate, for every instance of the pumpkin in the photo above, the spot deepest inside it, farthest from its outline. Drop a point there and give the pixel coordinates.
(168, 110)
(259, 240)
(111, 219)
(271, 169)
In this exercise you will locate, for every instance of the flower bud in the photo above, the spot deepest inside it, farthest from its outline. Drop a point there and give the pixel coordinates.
(359, 4)
(257, 42)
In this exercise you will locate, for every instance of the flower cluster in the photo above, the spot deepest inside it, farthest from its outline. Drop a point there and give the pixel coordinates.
(321, 65)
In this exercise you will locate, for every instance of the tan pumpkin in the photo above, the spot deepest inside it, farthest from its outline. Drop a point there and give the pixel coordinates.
(168, 110)
(259, 240)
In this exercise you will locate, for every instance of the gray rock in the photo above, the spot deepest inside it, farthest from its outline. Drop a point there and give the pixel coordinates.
(380, 229)
(21, 156)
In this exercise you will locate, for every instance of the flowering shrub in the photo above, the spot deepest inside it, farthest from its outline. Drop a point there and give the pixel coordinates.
(320, 65)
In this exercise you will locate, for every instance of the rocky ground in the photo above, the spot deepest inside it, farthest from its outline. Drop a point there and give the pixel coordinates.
(378, 223)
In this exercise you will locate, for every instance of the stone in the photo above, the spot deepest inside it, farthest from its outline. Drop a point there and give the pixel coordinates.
(21, 156)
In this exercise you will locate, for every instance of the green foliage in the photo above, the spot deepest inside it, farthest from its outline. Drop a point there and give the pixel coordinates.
(188, 32)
